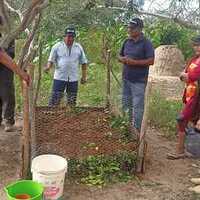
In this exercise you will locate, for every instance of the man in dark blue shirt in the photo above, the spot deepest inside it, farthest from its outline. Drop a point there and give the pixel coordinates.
(137, 54)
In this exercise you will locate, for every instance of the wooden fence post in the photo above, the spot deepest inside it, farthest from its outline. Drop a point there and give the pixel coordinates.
(28, 117)
(25, 133)
(142, 148)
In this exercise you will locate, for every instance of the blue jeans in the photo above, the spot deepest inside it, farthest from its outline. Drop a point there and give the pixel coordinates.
(133, 101)
(58, 90)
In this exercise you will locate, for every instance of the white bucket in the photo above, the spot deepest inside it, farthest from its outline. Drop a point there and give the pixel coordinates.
(50, 170)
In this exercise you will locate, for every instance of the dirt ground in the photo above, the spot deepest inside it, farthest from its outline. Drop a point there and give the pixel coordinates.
(164, 179)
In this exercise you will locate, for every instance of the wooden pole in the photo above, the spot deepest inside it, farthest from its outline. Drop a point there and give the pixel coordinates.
(25, 133)
(31, 93)
(142, 148)
(35, 99)
(108, 95)
(39, 75)
(28, 115)
(31, 112)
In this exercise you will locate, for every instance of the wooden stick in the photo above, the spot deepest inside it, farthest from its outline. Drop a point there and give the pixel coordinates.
(108, 58)
(142, 148)
(115, 77)
(32, 113)
(39, 75)
(25, 134)
(28, 116)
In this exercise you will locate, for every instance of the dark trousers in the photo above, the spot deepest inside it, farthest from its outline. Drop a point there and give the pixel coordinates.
(7, 102)
(62, 87)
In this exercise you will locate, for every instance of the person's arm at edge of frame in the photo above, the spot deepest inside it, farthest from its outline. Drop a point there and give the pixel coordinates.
(190, 76)
(183, 75)
(9, 63)
(194, 75)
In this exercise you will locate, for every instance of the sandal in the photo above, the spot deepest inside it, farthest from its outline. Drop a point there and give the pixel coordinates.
(176, 156)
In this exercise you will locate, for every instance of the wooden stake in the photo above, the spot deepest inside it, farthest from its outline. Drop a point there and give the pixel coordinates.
(28, 117)
(108, 58)
(39, 75)
(25, 134)
(142, 148)
(32, 112)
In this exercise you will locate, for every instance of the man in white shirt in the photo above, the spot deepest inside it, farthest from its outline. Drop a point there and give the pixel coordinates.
(67, 55)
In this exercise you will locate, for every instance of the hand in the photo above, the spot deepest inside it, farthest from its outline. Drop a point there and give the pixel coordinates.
(83, 80)
(183, 77)
(46, 69)
(122, 59)
(130, 61)
(26, 78)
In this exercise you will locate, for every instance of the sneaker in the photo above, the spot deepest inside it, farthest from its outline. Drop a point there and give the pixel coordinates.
(8, 128)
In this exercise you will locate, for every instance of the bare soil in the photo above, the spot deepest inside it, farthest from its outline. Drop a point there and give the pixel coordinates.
(10, 158)
(164, 179)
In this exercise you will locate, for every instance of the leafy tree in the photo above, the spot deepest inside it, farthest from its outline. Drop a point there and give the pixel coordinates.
(164, 33)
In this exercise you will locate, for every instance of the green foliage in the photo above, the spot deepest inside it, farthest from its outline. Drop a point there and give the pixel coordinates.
(101, 170)
(91, 40)
(122, 124)
(61, 13)
(168, 33)
(119, 122)
(163, 113)
(45, 89)
(93, 92)
(164, 33)
(115, 34)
